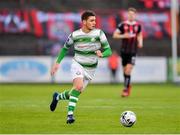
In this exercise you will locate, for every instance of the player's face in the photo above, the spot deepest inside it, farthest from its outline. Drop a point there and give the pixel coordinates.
(131, 15)
(90, 23)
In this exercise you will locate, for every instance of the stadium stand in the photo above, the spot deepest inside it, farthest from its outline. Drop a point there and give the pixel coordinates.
(29, 44)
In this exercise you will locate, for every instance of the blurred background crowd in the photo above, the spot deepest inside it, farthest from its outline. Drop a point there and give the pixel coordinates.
(40, 27)
(32, 32)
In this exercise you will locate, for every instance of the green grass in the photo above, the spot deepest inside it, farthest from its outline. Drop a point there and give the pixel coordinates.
(25, 109)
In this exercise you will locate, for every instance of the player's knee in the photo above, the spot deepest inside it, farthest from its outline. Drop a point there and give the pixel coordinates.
(128, 71)
(79, 87)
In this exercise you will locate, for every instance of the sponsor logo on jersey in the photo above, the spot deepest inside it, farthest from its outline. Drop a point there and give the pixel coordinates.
(81, 46)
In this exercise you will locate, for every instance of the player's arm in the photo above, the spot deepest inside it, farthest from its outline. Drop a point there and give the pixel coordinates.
(105, 45)
(107, 52)
(140, 40)
(117, 35)
(120, 34)
(62, 54)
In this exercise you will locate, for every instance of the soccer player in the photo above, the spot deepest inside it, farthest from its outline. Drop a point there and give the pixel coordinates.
(131, 34)
(87, 43)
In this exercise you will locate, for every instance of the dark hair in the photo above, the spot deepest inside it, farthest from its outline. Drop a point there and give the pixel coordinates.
(85, 15)
(132, 9)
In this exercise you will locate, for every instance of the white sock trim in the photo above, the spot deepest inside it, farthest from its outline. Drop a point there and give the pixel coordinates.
(70, 112)
(57, 98)
(72, 97)
(72, 104)
(63, 95)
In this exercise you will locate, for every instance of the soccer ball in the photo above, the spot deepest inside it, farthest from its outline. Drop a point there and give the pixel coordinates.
(128, 118)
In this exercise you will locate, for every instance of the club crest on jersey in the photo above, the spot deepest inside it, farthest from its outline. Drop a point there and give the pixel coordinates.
(80, 40)
(93, 39)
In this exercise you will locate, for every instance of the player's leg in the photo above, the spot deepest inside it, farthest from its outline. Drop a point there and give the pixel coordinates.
(79, 84)
(77, 72)
(124, 61)
(61, 96)
(58, 96)
(127, 79)
(127, 75)
(73, 98)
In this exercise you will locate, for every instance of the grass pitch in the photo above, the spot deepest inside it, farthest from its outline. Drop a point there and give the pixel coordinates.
(24, 108)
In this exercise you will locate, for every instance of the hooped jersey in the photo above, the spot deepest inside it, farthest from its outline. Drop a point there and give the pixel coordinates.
(85, 46)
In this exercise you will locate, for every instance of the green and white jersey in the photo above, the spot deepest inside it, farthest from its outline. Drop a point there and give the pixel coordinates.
(85, 46)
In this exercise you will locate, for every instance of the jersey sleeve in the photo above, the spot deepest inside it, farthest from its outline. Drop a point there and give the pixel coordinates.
(120, 28)
(103, 40)
(69, 42)
(139, 29)
(105, 45)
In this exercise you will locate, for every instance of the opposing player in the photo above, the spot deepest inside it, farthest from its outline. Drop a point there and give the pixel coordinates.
(87, 43)
(130, 32)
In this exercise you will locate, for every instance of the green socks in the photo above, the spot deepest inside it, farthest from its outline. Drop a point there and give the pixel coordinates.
(64, 95)
(74, 94)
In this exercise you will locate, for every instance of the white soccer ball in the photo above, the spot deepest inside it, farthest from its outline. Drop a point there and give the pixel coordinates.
(128, 118)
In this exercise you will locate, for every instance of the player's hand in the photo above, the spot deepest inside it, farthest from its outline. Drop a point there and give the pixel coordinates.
(128, 35)
(54, 69)
(99, 53)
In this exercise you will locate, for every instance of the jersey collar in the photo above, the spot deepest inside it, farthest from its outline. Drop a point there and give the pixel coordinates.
(131, 23)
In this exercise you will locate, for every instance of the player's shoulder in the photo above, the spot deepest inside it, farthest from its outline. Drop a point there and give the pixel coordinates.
(122, 23)
(76, 33)
(127, 22)
(97, 32)
(137, 23)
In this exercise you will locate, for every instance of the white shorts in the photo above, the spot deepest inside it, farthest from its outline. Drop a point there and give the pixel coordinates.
(79, 71)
